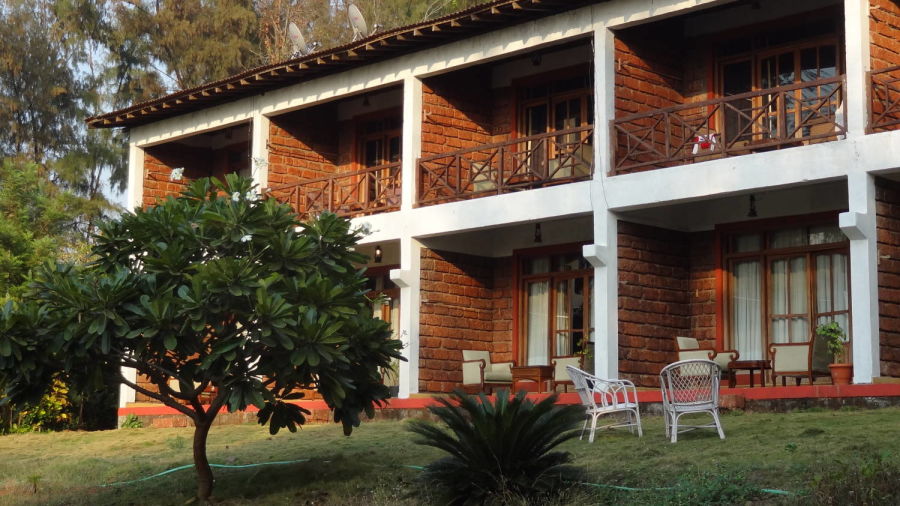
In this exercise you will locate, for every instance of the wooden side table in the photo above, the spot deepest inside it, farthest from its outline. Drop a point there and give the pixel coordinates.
(540, 374)
(749, 365)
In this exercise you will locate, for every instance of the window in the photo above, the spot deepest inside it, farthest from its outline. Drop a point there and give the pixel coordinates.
(379, 144)
(555, 306)
(554, 106)
(765, 66)
(782, 283)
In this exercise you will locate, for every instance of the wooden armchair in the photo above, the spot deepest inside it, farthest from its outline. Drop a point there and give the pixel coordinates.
(560, 372)
(480, 373)
(688, 348)
(801, 360)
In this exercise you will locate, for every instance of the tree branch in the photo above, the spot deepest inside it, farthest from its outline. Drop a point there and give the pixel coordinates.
(161, 398)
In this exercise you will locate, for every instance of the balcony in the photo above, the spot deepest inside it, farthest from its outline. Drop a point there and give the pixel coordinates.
(358, 193)
(884, 112)
(525, 163)
(763, 120)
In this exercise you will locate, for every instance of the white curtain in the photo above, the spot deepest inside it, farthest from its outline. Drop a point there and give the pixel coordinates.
(789, 296)
(832, 290)
(799, 303)
(779, 301)
(538, 314)
(745, 321)
(563, 344)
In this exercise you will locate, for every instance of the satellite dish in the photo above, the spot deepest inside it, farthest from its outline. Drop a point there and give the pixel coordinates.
(298, 43)
(357, 22)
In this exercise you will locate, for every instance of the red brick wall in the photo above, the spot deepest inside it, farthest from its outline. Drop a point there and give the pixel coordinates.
(702, 287)
(884, 23)
(304, 145)
(653, 300)
(887, 197)
(466, 304)
(159, 162)
(456, 111)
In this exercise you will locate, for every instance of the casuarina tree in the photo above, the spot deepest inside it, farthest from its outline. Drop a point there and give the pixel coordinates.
(215, 289)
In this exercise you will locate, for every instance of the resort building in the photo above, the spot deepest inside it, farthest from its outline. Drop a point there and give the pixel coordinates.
(549, 178)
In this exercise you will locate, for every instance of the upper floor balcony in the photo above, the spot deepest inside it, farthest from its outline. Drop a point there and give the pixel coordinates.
(728, 81)
(341, 156)
(516, 124)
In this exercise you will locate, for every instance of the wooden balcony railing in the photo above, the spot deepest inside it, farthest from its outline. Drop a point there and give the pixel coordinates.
(756, 121)
(884, 110)
(368, 191)
(530, 162)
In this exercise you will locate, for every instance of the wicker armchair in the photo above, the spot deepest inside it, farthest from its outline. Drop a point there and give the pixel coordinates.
(690, 386)
(604, 397)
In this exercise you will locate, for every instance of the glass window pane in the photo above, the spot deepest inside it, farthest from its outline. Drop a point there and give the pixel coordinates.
(824, 304)
(799, 286)
(826, 234)
(778, 299)
(788, 238)
(839, 265)
(827, 61)
(799, 330)
(538, 304)
(746, 242)
(537, 265)
(809, 65)
(786, 69)
(745, 328)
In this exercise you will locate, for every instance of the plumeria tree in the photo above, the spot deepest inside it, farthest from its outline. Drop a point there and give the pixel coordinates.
(215, 289)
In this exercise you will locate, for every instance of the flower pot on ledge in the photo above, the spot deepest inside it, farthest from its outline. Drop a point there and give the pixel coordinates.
(841, 373)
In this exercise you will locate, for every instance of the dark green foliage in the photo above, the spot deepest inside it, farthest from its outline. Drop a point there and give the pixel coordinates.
(709, 487)
(871, 480)
(213, 288)
(501, 452)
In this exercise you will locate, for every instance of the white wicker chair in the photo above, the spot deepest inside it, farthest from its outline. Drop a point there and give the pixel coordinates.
(690, 386)
(603, 397)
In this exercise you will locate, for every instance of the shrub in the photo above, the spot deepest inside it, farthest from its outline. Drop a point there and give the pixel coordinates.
(132, 422)
(500, 452)
(869, 481)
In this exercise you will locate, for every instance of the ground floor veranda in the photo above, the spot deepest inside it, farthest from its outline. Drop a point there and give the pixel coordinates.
(735, 272)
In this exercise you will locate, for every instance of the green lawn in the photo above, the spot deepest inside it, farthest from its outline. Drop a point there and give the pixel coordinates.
(777, 451)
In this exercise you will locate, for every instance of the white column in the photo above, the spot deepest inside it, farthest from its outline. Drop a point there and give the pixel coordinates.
(412, 139)
(859, 225)
(408, 278)
(858, 63)
(259, 150)
(135, 191)
(134, 199)
(602, 254)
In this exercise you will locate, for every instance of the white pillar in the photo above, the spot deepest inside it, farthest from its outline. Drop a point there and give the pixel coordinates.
(859, 225)
(135, 191)
(602, 254)
(259, 150)
(408, 278)
(858, 63)
(412, 140)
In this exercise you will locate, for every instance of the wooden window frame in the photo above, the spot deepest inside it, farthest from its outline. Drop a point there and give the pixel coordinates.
(520, 298)
(765, 255)
(360, 139)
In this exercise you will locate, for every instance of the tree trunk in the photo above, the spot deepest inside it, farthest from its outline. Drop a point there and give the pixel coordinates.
(201, 463)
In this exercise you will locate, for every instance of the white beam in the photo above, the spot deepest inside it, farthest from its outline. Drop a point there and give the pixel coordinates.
(412, 140)
(259, 150)
(858, 63)
(859, 225)
(408, 278)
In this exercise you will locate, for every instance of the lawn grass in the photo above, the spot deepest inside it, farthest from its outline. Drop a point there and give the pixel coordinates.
(777, 451)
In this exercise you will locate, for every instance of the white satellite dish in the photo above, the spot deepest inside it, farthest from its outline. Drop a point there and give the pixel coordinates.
(298, 43)
(357, 22)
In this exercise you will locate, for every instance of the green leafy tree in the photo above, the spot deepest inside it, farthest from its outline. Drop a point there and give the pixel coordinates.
(500, 452)
(211, 289)
(326, 21)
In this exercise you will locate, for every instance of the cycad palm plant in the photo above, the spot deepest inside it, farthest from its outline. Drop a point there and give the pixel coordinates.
(501, 451)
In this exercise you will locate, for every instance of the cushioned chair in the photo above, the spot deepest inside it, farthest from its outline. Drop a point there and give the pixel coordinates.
(560, 374)
(690, 386)
(801, 360)
(604, 397)
(689, 348)
(480, 373)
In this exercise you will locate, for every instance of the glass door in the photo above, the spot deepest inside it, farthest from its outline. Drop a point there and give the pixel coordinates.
(789, 300)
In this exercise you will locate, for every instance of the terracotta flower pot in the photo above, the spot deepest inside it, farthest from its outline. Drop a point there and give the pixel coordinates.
(841, 373)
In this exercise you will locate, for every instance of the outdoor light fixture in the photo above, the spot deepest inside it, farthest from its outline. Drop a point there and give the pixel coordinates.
(365, 101)
(537, 233)
(378, 254)
(752, 212)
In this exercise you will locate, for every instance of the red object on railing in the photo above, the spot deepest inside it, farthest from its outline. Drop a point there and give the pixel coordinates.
(519, 164)
(761, 120)
(358, 193)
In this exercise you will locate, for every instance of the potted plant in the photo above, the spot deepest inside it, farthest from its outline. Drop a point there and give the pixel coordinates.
(841, 372)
